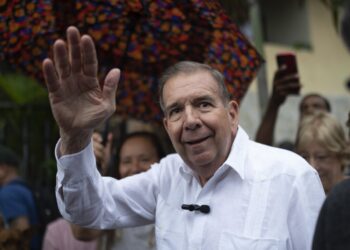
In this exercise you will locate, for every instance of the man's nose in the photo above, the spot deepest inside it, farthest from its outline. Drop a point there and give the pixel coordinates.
(192, 118)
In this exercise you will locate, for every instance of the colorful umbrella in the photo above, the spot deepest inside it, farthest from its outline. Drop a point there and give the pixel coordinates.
(140, 37)
(27, 30)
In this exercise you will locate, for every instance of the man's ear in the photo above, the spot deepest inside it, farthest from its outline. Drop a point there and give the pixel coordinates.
(165, 123)
(234, 114)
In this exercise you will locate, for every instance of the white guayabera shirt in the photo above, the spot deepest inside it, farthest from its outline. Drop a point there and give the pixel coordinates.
(260, 198)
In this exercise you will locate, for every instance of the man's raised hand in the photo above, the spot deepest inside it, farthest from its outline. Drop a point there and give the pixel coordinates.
(78, 102)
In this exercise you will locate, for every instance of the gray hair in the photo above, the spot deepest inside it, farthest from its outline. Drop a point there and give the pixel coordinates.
(325, 129)
(189, 67)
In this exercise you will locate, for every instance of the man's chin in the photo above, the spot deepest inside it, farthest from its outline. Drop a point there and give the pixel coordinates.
(203, 160)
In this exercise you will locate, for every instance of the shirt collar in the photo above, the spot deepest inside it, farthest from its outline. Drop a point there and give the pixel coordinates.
(235, 159)
(186, 171)
(238, 152)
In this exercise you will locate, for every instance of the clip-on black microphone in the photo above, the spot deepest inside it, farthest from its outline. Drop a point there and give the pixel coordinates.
(205, 209)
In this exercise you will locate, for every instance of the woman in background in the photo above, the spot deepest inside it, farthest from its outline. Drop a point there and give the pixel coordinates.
(137, 152)
(322, 142)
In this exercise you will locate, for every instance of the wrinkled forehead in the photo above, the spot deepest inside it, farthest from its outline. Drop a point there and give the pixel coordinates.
(203, 73)
(191, 86)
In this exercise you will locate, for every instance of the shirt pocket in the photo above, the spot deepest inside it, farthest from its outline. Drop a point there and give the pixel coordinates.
(170, 226)
(168, 240)
(231, 241)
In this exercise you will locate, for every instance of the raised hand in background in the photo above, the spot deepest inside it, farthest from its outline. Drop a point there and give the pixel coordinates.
(284, 85)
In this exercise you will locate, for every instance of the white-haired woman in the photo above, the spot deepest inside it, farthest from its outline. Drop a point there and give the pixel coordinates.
(322, 142)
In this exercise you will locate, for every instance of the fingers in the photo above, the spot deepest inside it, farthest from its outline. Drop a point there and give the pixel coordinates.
(61, 59)
(282, 77)
(107, 154)
(73, 37)
(89, 58)
(97, 145)
(110, 85)
(109, 142)
(81, 54)
(50, 76)
(96, 137)
(283, 74)
(279, 72)
(289, 88)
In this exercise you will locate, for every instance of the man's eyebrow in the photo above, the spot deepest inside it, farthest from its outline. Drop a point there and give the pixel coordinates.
(171, 106)
(203, 98)
(195, 100)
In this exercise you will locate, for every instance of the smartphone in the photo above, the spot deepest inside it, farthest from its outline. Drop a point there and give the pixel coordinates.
(289, 60)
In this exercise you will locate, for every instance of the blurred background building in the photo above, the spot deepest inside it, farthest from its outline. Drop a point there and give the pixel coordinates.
(308, 29)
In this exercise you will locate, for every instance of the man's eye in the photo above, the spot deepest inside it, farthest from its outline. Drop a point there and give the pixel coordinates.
(174, 111)
(174, 114)
(204, 105)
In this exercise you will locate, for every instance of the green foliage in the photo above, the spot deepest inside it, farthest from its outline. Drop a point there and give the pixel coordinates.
(27, 125)
(23, 90)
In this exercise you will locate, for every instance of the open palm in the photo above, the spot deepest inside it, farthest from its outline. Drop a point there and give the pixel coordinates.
(78, 102)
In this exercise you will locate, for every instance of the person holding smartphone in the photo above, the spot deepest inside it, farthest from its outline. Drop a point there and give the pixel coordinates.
(286, 82)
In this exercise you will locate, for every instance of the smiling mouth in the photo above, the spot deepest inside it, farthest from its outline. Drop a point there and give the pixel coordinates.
(197, 141)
